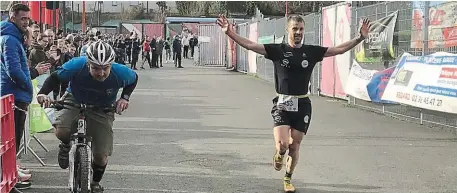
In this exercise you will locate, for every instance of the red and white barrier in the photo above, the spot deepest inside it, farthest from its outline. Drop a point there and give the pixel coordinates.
(8, 145)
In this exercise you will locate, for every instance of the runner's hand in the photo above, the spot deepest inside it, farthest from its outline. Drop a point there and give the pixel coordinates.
(223, 22)
(121, 105)
(44, 100)
(365, 28)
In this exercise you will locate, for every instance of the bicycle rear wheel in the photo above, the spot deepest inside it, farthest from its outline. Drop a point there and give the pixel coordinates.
(82, 170)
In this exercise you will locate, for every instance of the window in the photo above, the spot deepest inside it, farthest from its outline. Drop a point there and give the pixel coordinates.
(132, 3)
(114, 3)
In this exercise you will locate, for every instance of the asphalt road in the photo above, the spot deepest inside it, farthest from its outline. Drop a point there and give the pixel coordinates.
(206, 130)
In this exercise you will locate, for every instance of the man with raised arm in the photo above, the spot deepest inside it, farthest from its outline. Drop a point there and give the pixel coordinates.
(293, 66)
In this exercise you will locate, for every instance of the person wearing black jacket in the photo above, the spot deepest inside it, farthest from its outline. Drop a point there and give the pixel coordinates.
(177, 51)
(192, 43)
(128, 49)
(136, 49)
(153, 46)
(120, 55)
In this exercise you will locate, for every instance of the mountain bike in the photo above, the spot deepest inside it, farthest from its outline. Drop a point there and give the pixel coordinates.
(80, 155)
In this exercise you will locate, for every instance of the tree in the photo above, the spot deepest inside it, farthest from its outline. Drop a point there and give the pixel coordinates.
(134, 12)
(162, 5)
(197, 8)
(188, 8)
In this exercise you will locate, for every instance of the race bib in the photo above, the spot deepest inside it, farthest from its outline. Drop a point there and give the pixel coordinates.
(288, 103)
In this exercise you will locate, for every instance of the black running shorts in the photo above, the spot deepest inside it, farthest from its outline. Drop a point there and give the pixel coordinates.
(298, 120)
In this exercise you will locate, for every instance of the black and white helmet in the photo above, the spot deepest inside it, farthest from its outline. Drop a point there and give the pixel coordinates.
(100, 53)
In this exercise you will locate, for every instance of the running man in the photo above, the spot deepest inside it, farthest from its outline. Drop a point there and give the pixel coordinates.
(293, 66)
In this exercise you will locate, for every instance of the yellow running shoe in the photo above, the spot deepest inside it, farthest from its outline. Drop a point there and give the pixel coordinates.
(277, 161)
(288, 187)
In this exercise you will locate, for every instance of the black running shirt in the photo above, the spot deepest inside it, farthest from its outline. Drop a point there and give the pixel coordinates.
(293, 66)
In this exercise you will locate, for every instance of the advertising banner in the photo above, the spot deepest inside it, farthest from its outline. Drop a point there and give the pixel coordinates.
(358, 80)
(428, 82)
(378, 46)
(377, 85)
(368, 85)
(442, 28)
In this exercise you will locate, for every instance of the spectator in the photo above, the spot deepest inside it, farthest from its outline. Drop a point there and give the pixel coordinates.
(159, 53)
(120, 55)
(135, 50)
(185, 43)
(128, 48)
(35, 30)
(153, 46)
(146, 53)
(37, 59)
(167, 50)
(37, 53)
(177, 50)
(193, 42)
(49, 33)
(15, 73)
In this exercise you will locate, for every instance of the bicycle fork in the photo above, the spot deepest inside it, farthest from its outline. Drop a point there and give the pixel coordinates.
(71, 166)
(73, 149)
(75, 144)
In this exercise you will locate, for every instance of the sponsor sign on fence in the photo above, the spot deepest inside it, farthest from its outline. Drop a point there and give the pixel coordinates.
(368, 85)
(378, 46)
(428, 82)
(358, 80)
(442, 28)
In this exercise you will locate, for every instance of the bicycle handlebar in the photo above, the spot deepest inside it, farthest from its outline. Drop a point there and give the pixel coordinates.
(59, 105)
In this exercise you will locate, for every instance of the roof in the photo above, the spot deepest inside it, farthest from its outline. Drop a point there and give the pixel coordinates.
(194, 20)
(77, 26)
(115, 23)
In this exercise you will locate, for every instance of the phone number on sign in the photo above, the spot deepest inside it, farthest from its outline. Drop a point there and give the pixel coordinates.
(420, 99)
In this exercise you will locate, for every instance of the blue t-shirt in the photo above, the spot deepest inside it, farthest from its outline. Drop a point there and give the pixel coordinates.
(86, 90)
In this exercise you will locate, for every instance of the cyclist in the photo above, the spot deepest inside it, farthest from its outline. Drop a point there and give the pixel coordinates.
(293, 66)
(94, 79)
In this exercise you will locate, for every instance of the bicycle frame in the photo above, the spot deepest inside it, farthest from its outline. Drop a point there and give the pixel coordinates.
(79, 139)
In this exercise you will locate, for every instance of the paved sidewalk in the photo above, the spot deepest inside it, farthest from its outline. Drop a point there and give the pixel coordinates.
(207, 130)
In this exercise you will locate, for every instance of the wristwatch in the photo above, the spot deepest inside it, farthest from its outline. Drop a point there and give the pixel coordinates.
(360, 37)
(126, 97)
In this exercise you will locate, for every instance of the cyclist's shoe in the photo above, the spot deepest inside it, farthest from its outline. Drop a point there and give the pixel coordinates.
(277, 161)
(288, 187)
(63, 155)
(96, 188)
(22, 185)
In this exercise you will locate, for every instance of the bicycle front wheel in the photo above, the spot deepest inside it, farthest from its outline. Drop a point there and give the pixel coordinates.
(83, 170)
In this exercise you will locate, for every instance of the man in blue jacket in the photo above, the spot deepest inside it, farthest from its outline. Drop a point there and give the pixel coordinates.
(15, 73)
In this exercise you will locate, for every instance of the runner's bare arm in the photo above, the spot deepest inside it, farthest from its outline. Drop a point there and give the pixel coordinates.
(248, 44)
(344, 47)
(227, 28)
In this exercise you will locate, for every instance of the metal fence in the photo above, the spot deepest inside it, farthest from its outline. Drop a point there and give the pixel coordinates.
(242, 53)
(403, 33)
(312, 37)
(143, 29)
(409, 31)
(212, 52)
